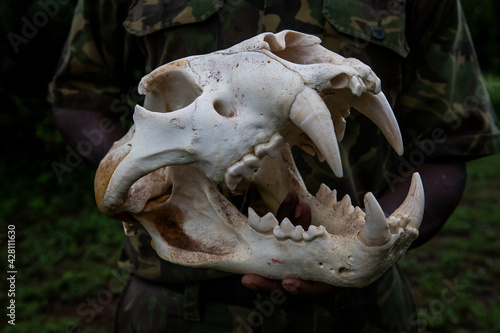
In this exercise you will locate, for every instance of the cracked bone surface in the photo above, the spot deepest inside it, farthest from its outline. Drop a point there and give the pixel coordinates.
(224, 122)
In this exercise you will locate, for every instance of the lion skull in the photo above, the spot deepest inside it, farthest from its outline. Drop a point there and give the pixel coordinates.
(224, 122)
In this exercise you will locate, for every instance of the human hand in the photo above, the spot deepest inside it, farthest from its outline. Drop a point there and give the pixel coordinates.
(298, 214)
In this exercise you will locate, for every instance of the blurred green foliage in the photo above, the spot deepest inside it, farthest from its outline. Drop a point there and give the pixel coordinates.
(67, 251)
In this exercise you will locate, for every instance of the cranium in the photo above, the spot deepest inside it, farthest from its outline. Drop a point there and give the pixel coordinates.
(224, 122)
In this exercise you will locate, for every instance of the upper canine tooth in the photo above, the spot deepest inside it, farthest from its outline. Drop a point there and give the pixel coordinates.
(375, 232)
(377, 108)
(262, 224)
(270, 148)
(245, 167)
(310, 113)
(287, 230)
(313, 232)
(326, 196)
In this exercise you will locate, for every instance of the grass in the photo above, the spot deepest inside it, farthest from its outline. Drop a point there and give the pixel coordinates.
(456, 276)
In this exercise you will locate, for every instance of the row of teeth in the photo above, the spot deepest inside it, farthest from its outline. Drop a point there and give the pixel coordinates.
(285, 230)
(250, 163)
(329, 199)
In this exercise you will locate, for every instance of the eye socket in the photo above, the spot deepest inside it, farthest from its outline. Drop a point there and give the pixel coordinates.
(224, 109)
(171, 91)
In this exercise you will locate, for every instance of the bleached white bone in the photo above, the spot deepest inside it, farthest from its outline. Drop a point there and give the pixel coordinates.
(225, 121)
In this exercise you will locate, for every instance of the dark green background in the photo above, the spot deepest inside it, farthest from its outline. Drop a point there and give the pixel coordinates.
(66, 251)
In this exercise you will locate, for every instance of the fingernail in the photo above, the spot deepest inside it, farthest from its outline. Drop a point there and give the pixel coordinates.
(298, 211)
(291, 287)
(250, 286)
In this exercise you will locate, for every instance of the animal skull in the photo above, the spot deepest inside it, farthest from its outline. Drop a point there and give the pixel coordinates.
(224, 122)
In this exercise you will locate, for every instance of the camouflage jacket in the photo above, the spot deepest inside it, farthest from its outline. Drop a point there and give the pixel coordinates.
(421, 50)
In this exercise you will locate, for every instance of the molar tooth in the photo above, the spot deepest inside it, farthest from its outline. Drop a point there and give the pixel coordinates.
(313, 232)
(345, 205)
(231, 179)
(261, 224)
(326, 196)
(358, 213)
(287, 230)
(246, 167)
(270, 148)
(375, 232)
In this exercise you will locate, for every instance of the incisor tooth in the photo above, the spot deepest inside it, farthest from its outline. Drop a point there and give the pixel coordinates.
(375, 232)
(405, 219)
(393, 224)
(357, 86)
(287, 230)
(310, 113)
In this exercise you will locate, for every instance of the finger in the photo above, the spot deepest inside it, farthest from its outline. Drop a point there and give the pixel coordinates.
(306, 288)
(287, 207)
(260, 284)
(302, 216)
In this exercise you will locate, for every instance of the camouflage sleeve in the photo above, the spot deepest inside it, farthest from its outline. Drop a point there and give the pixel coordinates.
(90, 74)
(445, 107)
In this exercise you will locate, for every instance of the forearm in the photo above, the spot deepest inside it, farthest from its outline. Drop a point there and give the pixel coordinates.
(444, 183)
(91, 133)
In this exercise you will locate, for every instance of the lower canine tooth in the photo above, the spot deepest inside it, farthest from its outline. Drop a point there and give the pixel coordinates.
(288, 230)
(313, 232)
(376, 231)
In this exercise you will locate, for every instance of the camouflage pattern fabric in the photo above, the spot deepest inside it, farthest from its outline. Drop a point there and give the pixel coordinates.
(149, 307)
(423, 54)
